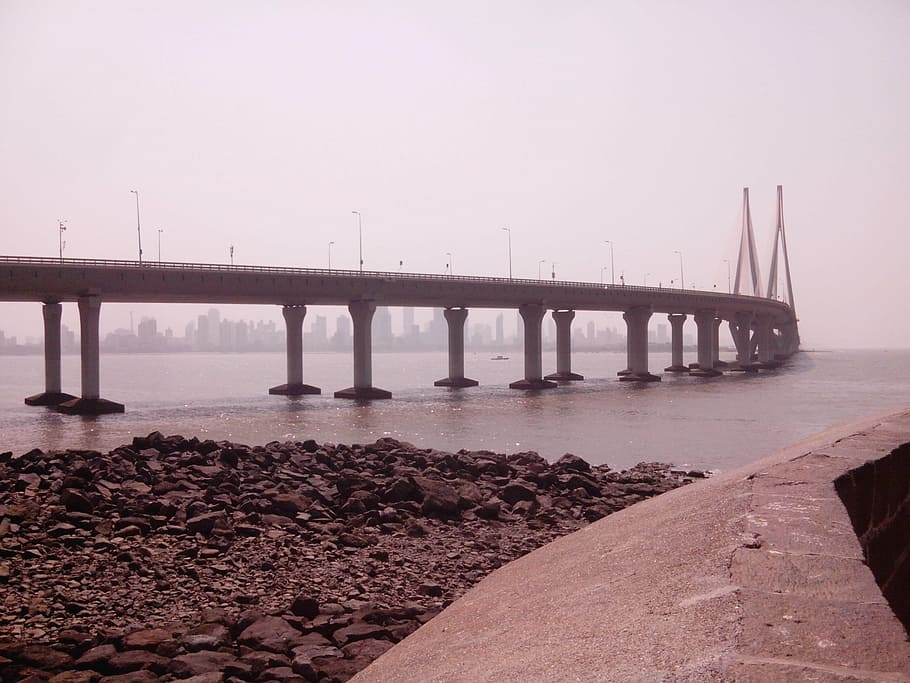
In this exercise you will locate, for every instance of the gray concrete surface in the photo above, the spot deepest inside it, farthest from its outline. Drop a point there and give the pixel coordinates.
(752, 575)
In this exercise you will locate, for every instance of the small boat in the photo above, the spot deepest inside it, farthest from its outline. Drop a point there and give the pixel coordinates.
(499, 357)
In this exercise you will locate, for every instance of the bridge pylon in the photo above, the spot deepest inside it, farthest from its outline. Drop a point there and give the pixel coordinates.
(747, 260)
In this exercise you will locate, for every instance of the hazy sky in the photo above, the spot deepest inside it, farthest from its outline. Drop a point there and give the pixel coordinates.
(263, 125)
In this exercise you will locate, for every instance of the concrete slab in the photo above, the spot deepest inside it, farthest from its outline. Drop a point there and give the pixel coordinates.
(753, 575)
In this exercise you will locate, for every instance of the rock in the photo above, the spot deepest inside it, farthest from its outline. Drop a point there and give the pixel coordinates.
(133, 677)
(211, 677)
(368, 648)
(572, 462)
(148, 639)
(134, 660)
(270, 633)
(359, 631)
(198, 663)
(75, 677)
(97, 658)
(76, 501)
(43, 657)
(438, 498)
(205, 523)
(516, 491)
(305, 606)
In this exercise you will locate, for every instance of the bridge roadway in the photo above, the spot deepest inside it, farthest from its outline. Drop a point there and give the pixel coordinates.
(761, 326)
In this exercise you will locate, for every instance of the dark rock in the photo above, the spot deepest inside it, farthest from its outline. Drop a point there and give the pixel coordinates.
(572, 462)
(438, 498)
(516, 491)
(270, 633)
(196, 663)
(44, 657)
(305, 606)
(359, 631)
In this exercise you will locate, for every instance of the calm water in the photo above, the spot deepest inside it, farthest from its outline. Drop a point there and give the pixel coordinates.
(713, 424)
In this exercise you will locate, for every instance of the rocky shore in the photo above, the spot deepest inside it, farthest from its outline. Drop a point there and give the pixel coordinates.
(175, 558)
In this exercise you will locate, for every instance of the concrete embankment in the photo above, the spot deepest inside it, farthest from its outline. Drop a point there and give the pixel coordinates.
(754, 575)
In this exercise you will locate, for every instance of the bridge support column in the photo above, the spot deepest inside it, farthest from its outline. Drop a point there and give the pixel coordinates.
(637, 345)
(455, 319)
(715, 344)
(91, 402)
(741, 328)
(676, 342)
(293, 320)
(705, 322)
(764, 337)
(564, 372)
(362, 319)
(52, 395)
(532, 318)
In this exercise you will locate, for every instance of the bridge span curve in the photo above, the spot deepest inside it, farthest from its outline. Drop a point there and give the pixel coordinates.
(764, 329)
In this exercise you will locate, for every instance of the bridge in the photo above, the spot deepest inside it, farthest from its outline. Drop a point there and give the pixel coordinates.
(763, 327)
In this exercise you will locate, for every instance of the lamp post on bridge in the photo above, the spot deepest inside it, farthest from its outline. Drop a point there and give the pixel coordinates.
(450, 265)
(539, 263)
(729, 289)
(330, 255)
(360, 236)
(646, 279)
(232, 254)
(138, 230)
(61, 228)
(612, 269)
(682, 279)
(159, 244)
(510, 251)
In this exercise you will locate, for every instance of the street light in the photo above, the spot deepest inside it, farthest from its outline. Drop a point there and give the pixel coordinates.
(138, 230)
(330, 255)
(450, 266)
(543, 260)
(360, 236)
(553, 274)
(682, 280)
(61, 225)
(612, 270)
(232, 254)
(729, 289)
(510, 251)
(159, 244)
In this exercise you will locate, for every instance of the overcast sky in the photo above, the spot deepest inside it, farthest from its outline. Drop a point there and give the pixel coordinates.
(263, 125)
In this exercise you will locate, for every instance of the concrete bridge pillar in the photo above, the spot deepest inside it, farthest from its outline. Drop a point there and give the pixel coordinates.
(362, 320)
(564, 372)
(741, 328)
(764, 337)
(637, 345)
(455, 319)
(52, 394)
(715, 343)
(532, 318)
(676, 342)
(705, 322)
(293, 320)
(91, 402)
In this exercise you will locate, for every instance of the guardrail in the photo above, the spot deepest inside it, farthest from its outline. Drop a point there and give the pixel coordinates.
(336, 272)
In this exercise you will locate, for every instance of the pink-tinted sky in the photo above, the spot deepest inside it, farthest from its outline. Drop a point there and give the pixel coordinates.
(263, 125)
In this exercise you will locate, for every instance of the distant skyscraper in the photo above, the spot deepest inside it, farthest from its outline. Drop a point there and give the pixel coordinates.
(382, 327)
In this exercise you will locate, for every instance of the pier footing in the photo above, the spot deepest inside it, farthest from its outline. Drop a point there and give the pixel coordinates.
(48, 398)
(564, 377)
(89, 406)
(639, 377)
(456, 382)
(294, 390)
(705, 372)
(676, 368)
(532, 384)
(363, 393)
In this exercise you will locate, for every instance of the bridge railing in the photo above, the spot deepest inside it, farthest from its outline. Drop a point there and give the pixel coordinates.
(339, 272)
